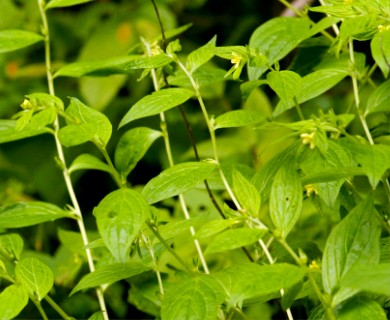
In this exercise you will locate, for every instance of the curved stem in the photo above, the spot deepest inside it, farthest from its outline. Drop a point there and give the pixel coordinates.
(60, 152)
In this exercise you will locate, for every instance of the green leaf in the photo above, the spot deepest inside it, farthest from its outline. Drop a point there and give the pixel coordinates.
(87, 125)
(144, 62)
(11, 40)
(23, 214)
(131, 147)
(276, 38)
(213, 227)
(177, 180)
(238, 118)
(64, 3)
(172, 229)
(354, 241)
(370, 278)
(120, 217)
(13, 299)
(97, 316)
(286, 199)
(247, 194)
(13, 244)
(361, 309)
(313, 85)
(109, 274)
(380, 49)
(88, 162)
(102, 67)
(156, 102)
(249, 280)
(196, 298)
(286, 84)
(234, 238)
(379, 99)
(35, 276)
(201, 55)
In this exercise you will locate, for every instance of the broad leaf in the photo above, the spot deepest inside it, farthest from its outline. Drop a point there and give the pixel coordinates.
(354, 241)
(360, 308)
(110, 274)
(370, 278)
(64, 3)
(286, 84)
(201, 55)
(35, 276)
(13, 299)
(120, 217)
(213, 227)
(88, 162)
(23, 214)
(172, 229)
(177, 180)
(238, 118)
(155, 103)
(145, 62)
(196, 298)
(11, 40)
(250, 280)
(234, 238)
(12, 244)
(131, 147)
(247, 194)
(380, 48)
(276, 38)
(286, 199)
(379, 99)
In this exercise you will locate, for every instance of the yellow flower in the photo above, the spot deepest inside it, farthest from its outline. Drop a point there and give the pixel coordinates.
(310, 188)
(236, 60)
(314, 265)
(308, 138)
(382, 28)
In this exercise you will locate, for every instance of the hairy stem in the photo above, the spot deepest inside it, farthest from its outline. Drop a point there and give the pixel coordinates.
(61, 156)
(158, 274)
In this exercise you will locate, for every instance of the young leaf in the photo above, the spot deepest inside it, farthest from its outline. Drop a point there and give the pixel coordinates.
(145, 62)
(73, 135)
(286, 84)
(250, 280)
(370, 278)
(132, 146)
(35, 276)
(380, 49)
(276, 38)
(155, 103)
(120, 217)
(109, 274)
(360, 308)
(196, 298)
(234, 238)
(286, 199)
(247, 194)
(64, 3)
(177, 180)
(172, 229)
(23, 214)
(13, 244)
(88, 162)
(238, 118)
(379, 99)
(11, 40)
(201, 55)
(354, 241)
(13, 299)
(213, 227)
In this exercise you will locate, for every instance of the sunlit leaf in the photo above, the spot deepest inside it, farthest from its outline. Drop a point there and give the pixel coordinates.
(201, 55)
(379, 99)
(380, 49)
(12, 243)
(145, 62)
(11, 40)
(120, 217)
(13, 299)
(238, 118)
(88, 162)
(64, 3)
(172, 229)
(177, 180)
(361, 309)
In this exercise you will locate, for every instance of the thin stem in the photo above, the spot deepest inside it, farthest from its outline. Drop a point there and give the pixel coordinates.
(39, 307)
(299, 110)
(114, 173)
(60, 152)
(57, 308)
(158, 274)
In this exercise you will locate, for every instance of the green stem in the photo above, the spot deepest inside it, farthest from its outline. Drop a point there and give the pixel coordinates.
(158, 274)
(39, 307)
(114, 173)
(299, 110)
(57, 308)
(60, 152)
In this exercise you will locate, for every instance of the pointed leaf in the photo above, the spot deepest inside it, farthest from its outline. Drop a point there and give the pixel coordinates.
(286, 84)
(64, 3)
(361, 309)
(354, 241)
(13, 299)
(379, 99)
(177, 180)
(369, 278)
(23, 214)
(88, 162)
(213, 227)
(110, 274)
(172, 229)
(201, 55)
(145, 62)
(12, 244)
(11, 40)
(132, 146)
(238, 118)
(286, 199)
(155, 103)
(196, 298)
(35, 276)
(380, 48)
(120, 217)
(234, 238)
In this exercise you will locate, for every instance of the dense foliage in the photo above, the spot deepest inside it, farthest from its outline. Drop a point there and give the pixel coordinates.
(194, 159)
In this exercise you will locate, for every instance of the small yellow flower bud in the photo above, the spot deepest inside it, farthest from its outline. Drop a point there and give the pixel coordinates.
(26, 104)
(308, 138)
(236, 60)
(310, 188)
(314, 265)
